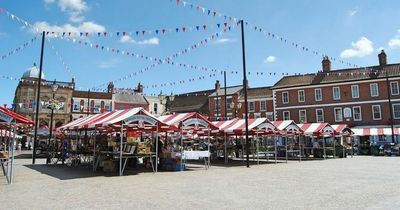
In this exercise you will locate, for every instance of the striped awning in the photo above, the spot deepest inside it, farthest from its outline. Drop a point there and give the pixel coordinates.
(317, 129)
(375, 131)
(238, 126)
(188, 121)
(137, 117)
(287, 126)
(342, 129)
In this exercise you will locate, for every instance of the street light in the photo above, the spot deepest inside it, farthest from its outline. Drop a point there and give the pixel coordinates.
(236, 107)
(52, 104)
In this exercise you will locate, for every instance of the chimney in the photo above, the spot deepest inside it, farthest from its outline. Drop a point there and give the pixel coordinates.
(110, 87)
(382, 58)
(217, 85)
(139, 88)
(326, 64)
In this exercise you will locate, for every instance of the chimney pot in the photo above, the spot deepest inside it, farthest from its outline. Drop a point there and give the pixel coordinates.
(217, 85)
(326, 64)
(382, 58)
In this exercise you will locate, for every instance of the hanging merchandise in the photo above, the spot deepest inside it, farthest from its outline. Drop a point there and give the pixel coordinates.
(265, 32)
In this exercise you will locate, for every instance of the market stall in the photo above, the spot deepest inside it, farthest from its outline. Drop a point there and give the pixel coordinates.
(119, 126)
(195, 126)
(317, 133)
(9, 124)
(288, 141)
(259, 127)
(346, 138)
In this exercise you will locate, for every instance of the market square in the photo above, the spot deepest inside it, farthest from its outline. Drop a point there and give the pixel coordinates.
(192, 105)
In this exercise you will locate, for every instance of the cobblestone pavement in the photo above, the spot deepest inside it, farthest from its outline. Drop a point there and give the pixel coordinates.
(351, 183)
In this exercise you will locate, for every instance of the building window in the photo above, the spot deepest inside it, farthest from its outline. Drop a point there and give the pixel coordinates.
(319, 113)
(76, 107)
(263, 105)
(286, 115)
(228, 101)
(302, 116)
(318, 94)
(376, 112)
(336, 93)
(301, 95)
(251, 106)
(108, 107)
(355, 93)
(374, 89)
(285, 97)
(257, 115)
(357, 113)
(396, 111)
(338, 114)
(394, 88)
(155, 108)
(217, 104)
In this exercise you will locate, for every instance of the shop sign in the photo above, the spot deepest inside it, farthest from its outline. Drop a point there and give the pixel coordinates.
(5, 117)
(141, 119)
(196, 122)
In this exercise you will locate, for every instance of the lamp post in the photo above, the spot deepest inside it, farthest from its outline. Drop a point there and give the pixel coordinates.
(52, 104)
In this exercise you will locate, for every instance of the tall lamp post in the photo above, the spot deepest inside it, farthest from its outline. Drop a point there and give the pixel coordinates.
(52, 104)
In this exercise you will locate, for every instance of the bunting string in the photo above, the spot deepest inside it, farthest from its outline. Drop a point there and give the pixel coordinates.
(62, 61)
(266, 33)
(118, 34)
(19, 48)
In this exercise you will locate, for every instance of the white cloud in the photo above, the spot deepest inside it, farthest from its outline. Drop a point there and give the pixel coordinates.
(74, 8)
(151, 41)
(111, 63)
(270, 59)
(361, 48)
(394, 43)
(224, 40)
(89, 27)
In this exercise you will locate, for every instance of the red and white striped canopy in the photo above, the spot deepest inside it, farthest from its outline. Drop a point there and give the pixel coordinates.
(342, 129)
(317, 129)
(113, 118)
(238, 126)
(287, 126)
(191, 121)
(375, 131)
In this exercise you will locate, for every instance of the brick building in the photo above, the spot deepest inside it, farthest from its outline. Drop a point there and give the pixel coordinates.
(357, 96)
(259, 103)
(88, 102)
(216, 102)
(128, 98)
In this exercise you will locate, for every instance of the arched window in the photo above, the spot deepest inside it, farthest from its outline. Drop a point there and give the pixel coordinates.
(82, 104)
(102, 106)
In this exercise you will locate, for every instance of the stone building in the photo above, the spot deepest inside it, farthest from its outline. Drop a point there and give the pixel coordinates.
(25, 98)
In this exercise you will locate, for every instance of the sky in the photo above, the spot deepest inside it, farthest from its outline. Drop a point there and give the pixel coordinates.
(353, 31)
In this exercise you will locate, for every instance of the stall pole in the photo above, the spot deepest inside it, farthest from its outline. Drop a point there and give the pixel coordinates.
(182, 151)
(351, 143)
(286, 140)
(300, 147)
(157, 148)
(225, 149)
(323, 145)
(276, 148)
(334, 147)
(120, 148)
(94, 150)
(343, 148)
(12, 152)
(209, 151)
(258, 158)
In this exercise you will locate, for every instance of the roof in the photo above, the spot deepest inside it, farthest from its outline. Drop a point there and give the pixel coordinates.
(32, 72)
(340, 75)
(130, 97)
(258, 92)
(229, 90)
(91, 95)
(189, 103)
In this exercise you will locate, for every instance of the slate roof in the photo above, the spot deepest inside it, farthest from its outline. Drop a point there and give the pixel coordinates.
(257, 92)
(341, 75)
(92, 95)
(229, 91)
(190, 102)
(129, 97)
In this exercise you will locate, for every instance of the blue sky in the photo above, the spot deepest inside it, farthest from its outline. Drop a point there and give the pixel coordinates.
(351, 30)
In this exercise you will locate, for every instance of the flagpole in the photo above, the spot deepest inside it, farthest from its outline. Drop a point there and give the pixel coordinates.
(38, 98)
(245, 98)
